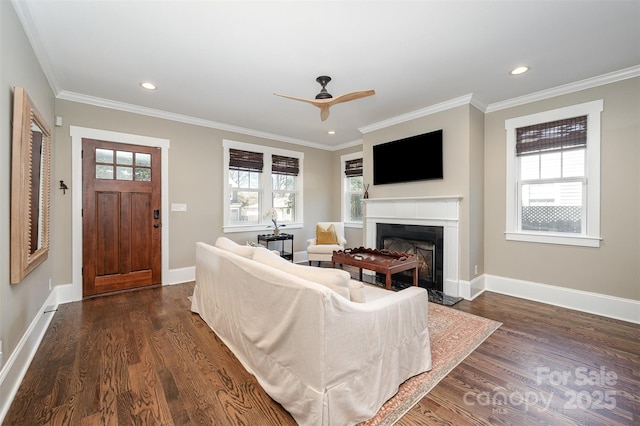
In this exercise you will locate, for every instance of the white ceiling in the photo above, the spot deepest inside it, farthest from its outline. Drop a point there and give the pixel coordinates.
(218, 63)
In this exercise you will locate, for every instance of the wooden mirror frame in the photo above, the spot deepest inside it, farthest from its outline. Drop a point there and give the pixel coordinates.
(30, 187)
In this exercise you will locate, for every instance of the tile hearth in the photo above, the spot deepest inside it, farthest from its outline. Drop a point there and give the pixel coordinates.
(435, 296)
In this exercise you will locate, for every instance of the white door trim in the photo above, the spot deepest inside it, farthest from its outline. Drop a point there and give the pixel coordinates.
(77, 134)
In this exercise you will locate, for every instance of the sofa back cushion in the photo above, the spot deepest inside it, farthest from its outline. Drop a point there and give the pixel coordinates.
(356, 291)
(335, 279)
(226, 244)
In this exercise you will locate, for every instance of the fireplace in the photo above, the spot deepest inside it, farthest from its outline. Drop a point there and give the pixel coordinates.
(426, 242)
(439, 214)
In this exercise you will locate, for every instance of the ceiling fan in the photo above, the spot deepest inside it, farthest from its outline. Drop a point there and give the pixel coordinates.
(324, 100)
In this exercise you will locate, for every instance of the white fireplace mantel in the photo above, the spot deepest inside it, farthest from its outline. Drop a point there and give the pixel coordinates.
(426, 211)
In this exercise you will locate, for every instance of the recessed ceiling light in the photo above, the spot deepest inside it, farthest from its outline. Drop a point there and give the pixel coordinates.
(519, 70)
(331, 132)
(148, 86)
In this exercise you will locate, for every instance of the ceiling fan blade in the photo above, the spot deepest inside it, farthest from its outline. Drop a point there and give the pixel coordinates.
(324, 112)
(324, 104)
(295, 98)
(351, 96)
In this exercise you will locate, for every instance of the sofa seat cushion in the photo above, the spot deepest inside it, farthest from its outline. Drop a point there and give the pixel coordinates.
(335, 279)
(324, 248)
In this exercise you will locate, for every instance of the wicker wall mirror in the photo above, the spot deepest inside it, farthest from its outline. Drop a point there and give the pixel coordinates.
(30, 187)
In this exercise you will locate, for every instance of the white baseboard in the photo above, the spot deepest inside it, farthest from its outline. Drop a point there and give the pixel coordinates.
(470, 289)
(584, 301)
(15, 368)
(181, 275)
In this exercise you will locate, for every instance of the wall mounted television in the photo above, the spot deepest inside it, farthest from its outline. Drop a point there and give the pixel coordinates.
(407, 160)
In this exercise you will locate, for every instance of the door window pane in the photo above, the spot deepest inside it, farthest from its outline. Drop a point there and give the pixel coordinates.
(143, 159)
(104, 172)
(124, 173)
(143, 175)
(104, 156)
(124, 157)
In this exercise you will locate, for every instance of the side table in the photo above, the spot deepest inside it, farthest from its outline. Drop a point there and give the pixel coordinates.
(269, 238)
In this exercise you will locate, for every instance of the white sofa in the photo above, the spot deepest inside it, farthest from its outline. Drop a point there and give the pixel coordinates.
(326, 359)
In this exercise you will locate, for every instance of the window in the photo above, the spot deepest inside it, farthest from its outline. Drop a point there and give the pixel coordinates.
(284, 172)
(353, 188)
(245, 168)
(124, 167)
(553, 176)
(258, 179)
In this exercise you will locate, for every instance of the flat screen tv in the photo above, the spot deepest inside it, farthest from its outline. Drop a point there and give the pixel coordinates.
(410, 159)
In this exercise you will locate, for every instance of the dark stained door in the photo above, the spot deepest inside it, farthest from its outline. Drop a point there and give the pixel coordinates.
(121, 220)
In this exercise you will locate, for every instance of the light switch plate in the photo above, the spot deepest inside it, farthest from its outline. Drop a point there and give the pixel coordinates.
(178, 207)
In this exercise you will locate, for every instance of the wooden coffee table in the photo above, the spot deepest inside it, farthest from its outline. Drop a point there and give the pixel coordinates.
(383, 261)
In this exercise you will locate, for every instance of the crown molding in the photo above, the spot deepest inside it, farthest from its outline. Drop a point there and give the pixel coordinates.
(24, 16)
(346, 145)
(121, 106)
(588, 83)
(423, 112)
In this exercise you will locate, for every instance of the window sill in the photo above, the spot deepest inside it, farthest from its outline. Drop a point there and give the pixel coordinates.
(259, 228)
(356, 225)
(568, 240)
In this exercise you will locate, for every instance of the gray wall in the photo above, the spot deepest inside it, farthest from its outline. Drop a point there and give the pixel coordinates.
(195, 179)
(19, 303)
(614, 267)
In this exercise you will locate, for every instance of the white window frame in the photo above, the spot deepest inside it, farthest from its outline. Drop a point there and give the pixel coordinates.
(345, 205)
(265, 191)
(591, 233)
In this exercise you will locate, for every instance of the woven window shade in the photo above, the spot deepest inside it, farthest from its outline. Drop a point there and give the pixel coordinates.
(552, 136)
(285, 165)
(245, 160)
(353, 167)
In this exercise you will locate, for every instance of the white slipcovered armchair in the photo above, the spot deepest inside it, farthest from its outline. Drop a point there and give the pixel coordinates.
(323, 252)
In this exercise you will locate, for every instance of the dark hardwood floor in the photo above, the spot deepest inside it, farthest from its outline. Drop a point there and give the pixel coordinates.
(142, 358)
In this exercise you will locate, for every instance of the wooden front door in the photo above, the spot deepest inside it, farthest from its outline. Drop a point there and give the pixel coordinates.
(121, 235)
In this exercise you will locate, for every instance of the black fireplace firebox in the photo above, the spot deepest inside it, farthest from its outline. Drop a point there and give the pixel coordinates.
(426, 242)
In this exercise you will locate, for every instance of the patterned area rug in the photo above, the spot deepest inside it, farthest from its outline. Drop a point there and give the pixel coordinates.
(454, 335)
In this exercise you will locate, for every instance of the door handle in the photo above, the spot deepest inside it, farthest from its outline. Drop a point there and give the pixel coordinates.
(157, 225)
